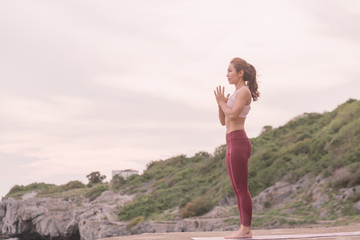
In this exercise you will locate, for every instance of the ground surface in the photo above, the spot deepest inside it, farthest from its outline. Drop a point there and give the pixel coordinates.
(287, 231)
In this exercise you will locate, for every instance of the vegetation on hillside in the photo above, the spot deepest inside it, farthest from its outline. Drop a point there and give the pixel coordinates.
(70, 189)
(311, 143)
(193, 183)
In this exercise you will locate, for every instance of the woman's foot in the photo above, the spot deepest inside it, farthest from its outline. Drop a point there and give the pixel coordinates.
(244, 232)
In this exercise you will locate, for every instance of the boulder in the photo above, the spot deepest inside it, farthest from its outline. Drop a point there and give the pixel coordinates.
(58, 218)
(227, 201)
(278, 194)
(319, 198)
(33, 217)
(345, 194)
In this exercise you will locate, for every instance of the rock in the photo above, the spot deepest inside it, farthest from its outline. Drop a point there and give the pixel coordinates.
(317, 194)
(77, 218)
(32, 217)
(57, 218)
(278, 194)
(144, 227)
(227, 201)
(29, 195)
(92, 229)
(186, 226)
(345, 194)
(217, 211)
(2, 213)
(304, 182)
(319, 199)
(200, 224)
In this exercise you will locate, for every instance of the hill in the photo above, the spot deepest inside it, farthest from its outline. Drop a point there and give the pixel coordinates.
(303, 173)
(313, 143)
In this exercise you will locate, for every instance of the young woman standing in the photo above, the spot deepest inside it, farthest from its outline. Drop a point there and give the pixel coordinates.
(232, 113)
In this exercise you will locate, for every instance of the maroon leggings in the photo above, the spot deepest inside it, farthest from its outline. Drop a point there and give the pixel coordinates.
(238, 151)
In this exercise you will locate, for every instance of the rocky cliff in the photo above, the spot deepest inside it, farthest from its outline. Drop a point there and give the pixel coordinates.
(71, 219)
(59, 218)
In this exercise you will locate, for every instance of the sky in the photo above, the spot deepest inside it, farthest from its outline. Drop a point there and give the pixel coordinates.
(108, 85)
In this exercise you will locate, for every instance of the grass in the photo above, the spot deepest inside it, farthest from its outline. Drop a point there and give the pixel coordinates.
(168, 215)
(96, 191)
(18, 191)
(70, 190)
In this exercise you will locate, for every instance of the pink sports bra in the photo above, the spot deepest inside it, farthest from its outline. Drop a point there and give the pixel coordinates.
(231, 102)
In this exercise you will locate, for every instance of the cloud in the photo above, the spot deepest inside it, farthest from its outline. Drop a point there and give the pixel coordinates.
(109, 129)
(14, 171)
(339, 22)
(16, 160)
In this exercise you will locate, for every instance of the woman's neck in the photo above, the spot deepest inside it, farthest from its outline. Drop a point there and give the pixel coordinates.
(239, 85)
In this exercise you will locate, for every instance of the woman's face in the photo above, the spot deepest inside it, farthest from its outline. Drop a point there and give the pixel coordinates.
(232, 76)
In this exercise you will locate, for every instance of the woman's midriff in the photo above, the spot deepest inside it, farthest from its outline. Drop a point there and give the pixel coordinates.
(233, 125)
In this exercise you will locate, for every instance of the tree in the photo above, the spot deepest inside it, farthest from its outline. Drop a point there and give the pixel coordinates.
(95, 177)
(117, 181)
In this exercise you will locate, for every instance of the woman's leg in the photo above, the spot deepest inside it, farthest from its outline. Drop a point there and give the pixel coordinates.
(238, 161)
(231, 176)
(238, 152)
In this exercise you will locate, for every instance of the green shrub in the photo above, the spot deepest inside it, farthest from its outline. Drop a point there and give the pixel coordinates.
(143, 205)
(19, 190)
(16, 190)
(349, 210)
(267, 204)
(96, 191)
(117, 182)
(197, 207)
(72, 185)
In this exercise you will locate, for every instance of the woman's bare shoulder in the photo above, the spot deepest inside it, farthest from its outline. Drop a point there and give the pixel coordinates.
(244, 93)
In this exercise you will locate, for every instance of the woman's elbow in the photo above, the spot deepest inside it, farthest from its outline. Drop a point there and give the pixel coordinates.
(222, 121)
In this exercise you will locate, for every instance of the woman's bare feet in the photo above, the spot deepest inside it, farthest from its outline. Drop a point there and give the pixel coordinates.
(244, 232)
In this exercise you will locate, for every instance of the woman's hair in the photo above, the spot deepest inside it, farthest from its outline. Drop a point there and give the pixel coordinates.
(249, 75)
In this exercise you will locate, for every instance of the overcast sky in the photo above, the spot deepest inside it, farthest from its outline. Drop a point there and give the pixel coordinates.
(106, 85)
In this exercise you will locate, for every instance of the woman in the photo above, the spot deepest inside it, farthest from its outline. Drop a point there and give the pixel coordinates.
(232, 114)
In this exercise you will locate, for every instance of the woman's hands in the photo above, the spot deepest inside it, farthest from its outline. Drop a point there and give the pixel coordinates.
(220, 95)
(221, 101)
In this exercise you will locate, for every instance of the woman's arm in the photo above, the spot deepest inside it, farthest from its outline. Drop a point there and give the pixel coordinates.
(240, 101)
(221, 116)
